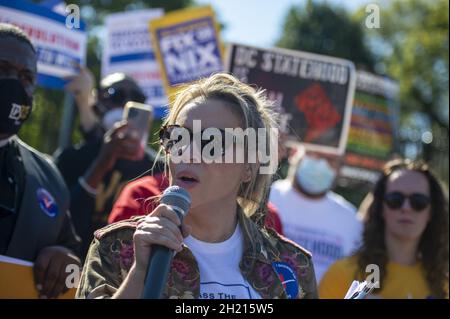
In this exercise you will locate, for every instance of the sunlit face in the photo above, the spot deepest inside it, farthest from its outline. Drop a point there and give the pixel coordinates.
(213, 182)
(406, 223)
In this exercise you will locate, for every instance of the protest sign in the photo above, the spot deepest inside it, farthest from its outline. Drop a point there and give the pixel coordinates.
(315, 91)
(60, 48)
(187, 46)
(373, 125)
(128, 49)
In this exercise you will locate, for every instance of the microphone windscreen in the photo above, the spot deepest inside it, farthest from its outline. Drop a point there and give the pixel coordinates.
(178, 198)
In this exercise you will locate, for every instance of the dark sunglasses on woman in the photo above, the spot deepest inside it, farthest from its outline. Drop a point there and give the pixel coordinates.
(417, 201)
(170, 135)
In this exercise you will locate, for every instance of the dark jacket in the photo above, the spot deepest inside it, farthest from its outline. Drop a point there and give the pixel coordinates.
(43, 217)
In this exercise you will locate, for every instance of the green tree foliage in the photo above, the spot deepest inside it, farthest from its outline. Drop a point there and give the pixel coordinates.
(324, 29)
(412, 46)
(414, 41)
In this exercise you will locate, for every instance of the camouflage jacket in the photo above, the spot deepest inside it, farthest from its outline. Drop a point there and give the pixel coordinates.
(269, 263)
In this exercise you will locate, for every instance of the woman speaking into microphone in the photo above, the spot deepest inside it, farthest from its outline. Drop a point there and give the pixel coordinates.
(222, 250)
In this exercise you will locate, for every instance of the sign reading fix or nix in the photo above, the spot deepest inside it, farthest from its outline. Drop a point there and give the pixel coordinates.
(187, 46)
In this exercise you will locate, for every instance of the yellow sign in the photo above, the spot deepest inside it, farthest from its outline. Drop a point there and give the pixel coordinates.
(17, 281)
(187, 46)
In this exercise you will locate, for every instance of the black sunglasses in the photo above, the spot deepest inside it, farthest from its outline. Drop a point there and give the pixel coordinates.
(417, 201)
(171, 135)
(120, 96)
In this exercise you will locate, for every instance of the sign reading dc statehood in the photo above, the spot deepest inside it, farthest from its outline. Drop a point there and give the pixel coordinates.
(128, 49)
(187, 46)
(315, 91)
(60, 49)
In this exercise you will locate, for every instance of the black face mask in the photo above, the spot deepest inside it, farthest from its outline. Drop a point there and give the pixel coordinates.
(15, 106)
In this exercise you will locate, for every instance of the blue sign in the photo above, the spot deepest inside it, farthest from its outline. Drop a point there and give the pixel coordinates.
(128, 49)
(189, 50)
(60, 46)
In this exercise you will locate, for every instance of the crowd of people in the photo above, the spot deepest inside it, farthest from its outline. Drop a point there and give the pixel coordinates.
(96, 204)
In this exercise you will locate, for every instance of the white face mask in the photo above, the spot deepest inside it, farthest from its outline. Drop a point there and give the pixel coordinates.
(111, 117)
(315, 176)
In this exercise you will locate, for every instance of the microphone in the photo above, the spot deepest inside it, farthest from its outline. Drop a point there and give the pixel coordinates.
(161, 257)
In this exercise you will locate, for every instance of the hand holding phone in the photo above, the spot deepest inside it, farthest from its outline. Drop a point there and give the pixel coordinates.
(138, 117)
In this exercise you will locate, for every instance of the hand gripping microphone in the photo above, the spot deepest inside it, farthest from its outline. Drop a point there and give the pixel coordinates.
(161, 257)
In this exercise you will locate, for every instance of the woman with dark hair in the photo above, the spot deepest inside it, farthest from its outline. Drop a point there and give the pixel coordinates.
(405, 239)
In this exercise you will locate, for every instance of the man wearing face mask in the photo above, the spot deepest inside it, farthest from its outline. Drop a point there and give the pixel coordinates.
(311, 214)
(35, 224)
(98, 168)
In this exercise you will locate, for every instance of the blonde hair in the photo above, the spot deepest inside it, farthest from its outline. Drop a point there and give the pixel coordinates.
(256, 112)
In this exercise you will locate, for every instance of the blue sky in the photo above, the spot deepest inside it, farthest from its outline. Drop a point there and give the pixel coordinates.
(260, 22)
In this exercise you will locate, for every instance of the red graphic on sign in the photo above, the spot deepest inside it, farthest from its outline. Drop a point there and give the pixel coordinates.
(320, 113)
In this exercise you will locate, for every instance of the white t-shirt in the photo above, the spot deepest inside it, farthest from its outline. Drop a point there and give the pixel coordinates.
(327, 227)
(220, 276)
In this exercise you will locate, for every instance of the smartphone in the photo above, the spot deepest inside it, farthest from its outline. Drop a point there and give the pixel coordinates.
(139, 116)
